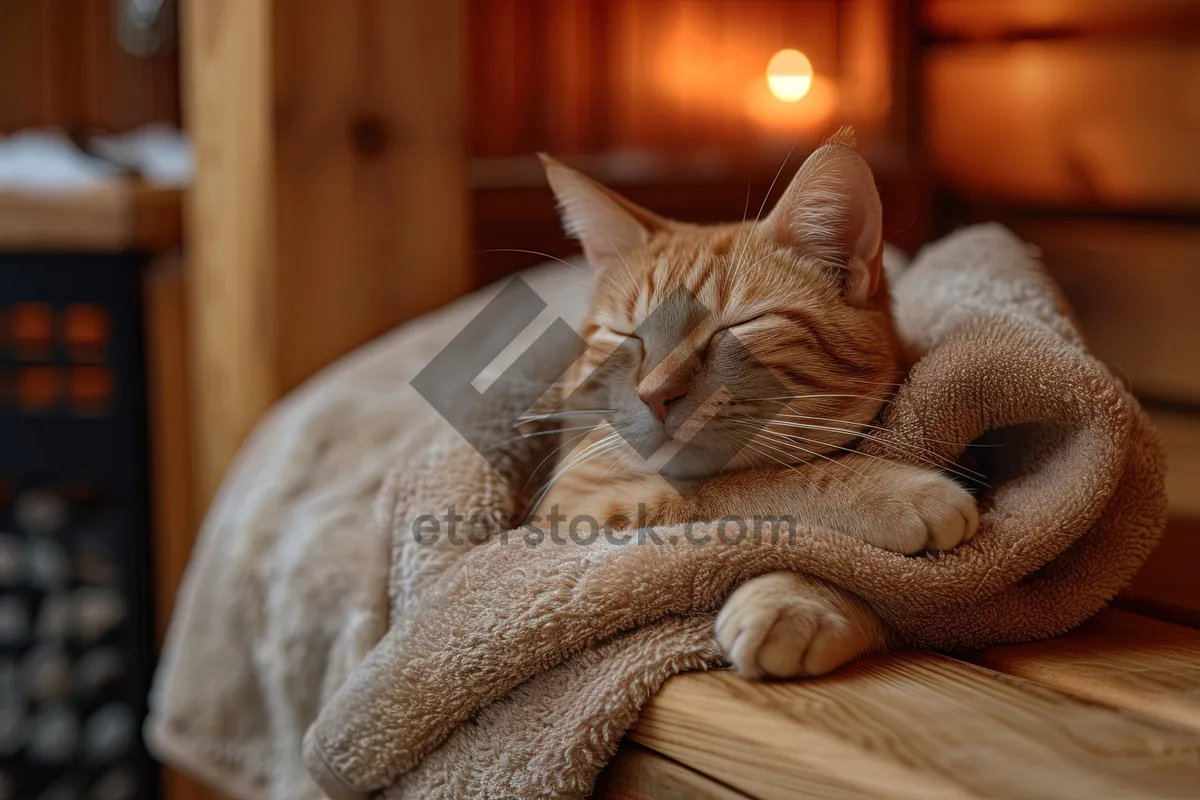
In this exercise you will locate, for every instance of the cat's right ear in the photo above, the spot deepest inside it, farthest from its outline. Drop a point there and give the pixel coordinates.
(832, 209)
(607, 225)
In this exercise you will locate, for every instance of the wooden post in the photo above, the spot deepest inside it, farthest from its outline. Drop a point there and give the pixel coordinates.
(330, 200)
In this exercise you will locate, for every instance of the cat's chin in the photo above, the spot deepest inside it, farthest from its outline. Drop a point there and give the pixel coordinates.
(691, 464)
(677, 458)
(701, 465)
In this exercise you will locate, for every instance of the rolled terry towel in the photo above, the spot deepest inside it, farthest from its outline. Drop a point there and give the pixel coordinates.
(509, 670)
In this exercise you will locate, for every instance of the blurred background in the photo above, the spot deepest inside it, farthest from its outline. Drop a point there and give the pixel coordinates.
(204, 202)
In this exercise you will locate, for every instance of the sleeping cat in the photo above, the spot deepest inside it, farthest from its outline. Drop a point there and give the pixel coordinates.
(762, 396)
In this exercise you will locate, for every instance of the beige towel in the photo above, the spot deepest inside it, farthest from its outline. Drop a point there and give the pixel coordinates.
(513, 671)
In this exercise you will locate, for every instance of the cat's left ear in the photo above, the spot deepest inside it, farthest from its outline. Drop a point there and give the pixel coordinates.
(607, 225)
(831, 209)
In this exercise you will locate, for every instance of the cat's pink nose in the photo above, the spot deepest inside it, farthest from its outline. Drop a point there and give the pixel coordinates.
(658, 400)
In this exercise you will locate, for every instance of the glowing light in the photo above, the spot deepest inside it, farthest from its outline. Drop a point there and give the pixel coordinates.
(810, 117)
(789, 75)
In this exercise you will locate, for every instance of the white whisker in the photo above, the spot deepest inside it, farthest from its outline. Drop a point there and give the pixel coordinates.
(780, 439)
(575, 267)
(588, 453)
(550, 455)
(975, 477)
(548, 415)
(746, 239)
(792, 467)
(791, 397)
(913, 449)
(893, 384)
(867, 455)
(551, 432)
(620, 255)
(872, 427)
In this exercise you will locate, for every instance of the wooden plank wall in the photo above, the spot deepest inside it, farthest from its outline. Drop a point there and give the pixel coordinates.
(1076, 122)
(590, 76)
(1040, 19)
(655, 99)
(175, 516)
(331, 193)
(60, 65)
(1113, 128)
(1070, 104)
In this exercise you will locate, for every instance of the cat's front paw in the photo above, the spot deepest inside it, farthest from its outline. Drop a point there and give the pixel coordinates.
(930, 512)
(777, 626)
(947, 511)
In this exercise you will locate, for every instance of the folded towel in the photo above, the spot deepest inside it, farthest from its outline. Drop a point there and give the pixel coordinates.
(505, 670)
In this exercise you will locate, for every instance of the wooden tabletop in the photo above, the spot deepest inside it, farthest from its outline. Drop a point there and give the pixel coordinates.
(122, 215)
(1111, 710)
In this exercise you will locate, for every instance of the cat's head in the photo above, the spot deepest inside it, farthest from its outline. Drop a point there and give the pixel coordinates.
(737, 345)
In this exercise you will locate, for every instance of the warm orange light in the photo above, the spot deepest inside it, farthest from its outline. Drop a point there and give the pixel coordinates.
(789, 75)
(809, 117)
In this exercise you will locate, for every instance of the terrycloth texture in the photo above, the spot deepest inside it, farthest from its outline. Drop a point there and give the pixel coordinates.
(506, 670)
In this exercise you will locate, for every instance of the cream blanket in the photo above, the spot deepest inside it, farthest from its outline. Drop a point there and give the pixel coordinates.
(504, 670)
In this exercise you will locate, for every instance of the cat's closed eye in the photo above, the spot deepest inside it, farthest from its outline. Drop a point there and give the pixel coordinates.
(747, 323)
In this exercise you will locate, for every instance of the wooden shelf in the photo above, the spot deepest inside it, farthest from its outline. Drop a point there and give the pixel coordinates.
(644, 168)
(125, 215)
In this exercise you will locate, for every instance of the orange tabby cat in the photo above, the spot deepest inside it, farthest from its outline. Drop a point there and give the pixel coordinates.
(773, 362)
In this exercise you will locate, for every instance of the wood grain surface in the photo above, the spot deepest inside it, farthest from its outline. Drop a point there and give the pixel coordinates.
(370, 193)
(123, 215)
(330, 199)
(1117, 659)
(1180, 432)
(234, 333)
(62, 66)
(750, 736)
(636, 773)
(99, 218)
(915, 725)
(174, 517)
(1166, 586)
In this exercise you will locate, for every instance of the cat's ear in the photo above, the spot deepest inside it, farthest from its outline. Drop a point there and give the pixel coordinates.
(832, 210)
(606, 224)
